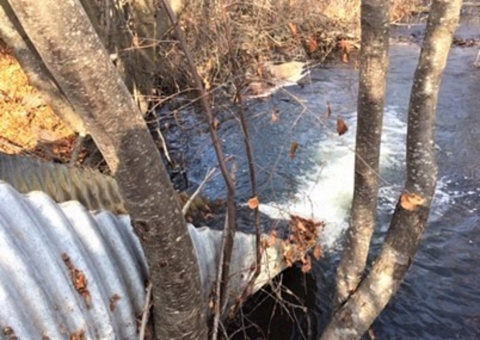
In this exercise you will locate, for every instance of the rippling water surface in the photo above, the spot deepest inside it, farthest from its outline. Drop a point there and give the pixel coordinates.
(440, 297)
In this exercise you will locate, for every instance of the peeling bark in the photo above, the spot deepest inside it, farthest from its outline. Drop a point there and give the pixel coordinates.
(73, 53)
(356, 315)
(371, 93)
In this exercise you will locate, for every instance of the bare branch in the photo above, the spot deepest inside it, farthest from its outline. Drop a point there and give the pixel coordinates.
(249, 151)
(209, 175)
(146, 312)
(229, 230)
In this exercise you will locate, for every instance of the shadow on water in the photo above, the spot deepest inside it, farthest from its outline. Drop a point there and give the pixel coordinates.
(439, 298)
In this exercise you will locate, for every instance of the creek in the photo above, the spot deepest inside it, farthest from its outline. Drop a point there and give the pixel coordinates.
(440, 296)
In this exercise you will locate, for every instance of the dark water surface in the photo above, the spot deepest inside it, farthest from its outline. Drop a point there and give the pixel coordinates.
(440, 297)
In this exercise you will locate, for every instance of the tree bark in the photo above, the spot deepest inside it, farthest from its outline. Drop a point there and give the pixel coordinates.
(131, 31)
(14, 36)
(66, 41)
(408, 223)
(371, 93)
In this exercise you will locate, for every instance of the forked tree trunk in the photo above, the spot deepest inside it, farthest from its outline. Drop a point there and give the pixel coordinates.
(408, 223)
(371, 99)
(74, 55)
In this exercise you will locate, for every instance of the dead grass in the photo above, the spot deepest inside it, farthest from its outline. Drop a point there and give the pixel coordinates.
(27, 125)
(262, 30)
(275, 30)
(402, 10)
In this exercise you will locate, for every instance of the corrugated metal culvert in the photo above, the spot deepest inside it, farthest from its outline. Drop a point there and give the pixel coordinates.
(65, 271)
(70, 273)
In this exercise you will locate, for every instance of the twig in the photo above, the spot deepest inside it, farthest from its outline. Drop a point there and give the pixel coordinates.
(160, 135)
(76, 149)
(251, 164)
(146, 312)
(229, 231)
(209, 175)
(218, 288)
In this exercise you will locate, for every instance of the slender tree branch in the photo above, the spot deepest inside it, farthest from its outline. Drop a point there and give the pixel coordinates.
(146, 312)
(199, 189)
(229, 230)
(248, 146)
(218, 290)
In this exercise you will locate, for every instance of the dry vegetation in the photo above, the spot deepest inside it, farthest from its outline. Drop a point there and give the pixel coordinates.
(276, 30)
(27, 125)
(262, 30)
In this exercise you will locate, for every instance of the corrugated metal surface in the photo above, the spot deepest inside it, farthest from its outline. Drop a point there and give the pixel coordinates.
(208, 244)
(46, 252)
(42, 242)
(91, 188)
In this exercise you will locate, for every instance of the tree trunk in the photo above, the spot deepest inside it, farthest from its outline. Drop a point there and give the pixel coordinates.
(65, 39)
(371, 93)
(14, 36)
(408, 223)
(131, 31)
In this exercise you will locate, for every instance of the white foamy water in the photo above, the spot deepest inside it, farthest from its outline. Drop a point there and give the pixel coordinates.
(326, 193)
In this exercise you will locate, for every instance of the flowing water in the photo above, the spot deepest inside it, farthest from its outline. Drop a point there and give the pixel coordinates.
(440, 297)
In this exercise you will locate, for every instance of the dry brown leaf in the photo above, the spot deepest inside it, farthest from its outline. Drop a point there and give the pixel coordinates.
(329, 110)
(273, 239)
(293, 150)
(293, 29)
(78, 335)
(113, 301)
(275, 116)
(206, 84)
(342, 128)
(216, 123)
(136, 41)
(301, 226)
(312, 44)
(317, 252)
(260, 71)
(288, 254)
(307, 265)
(79, 279)
(345, 45)
(253, 203)
(411, 202)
